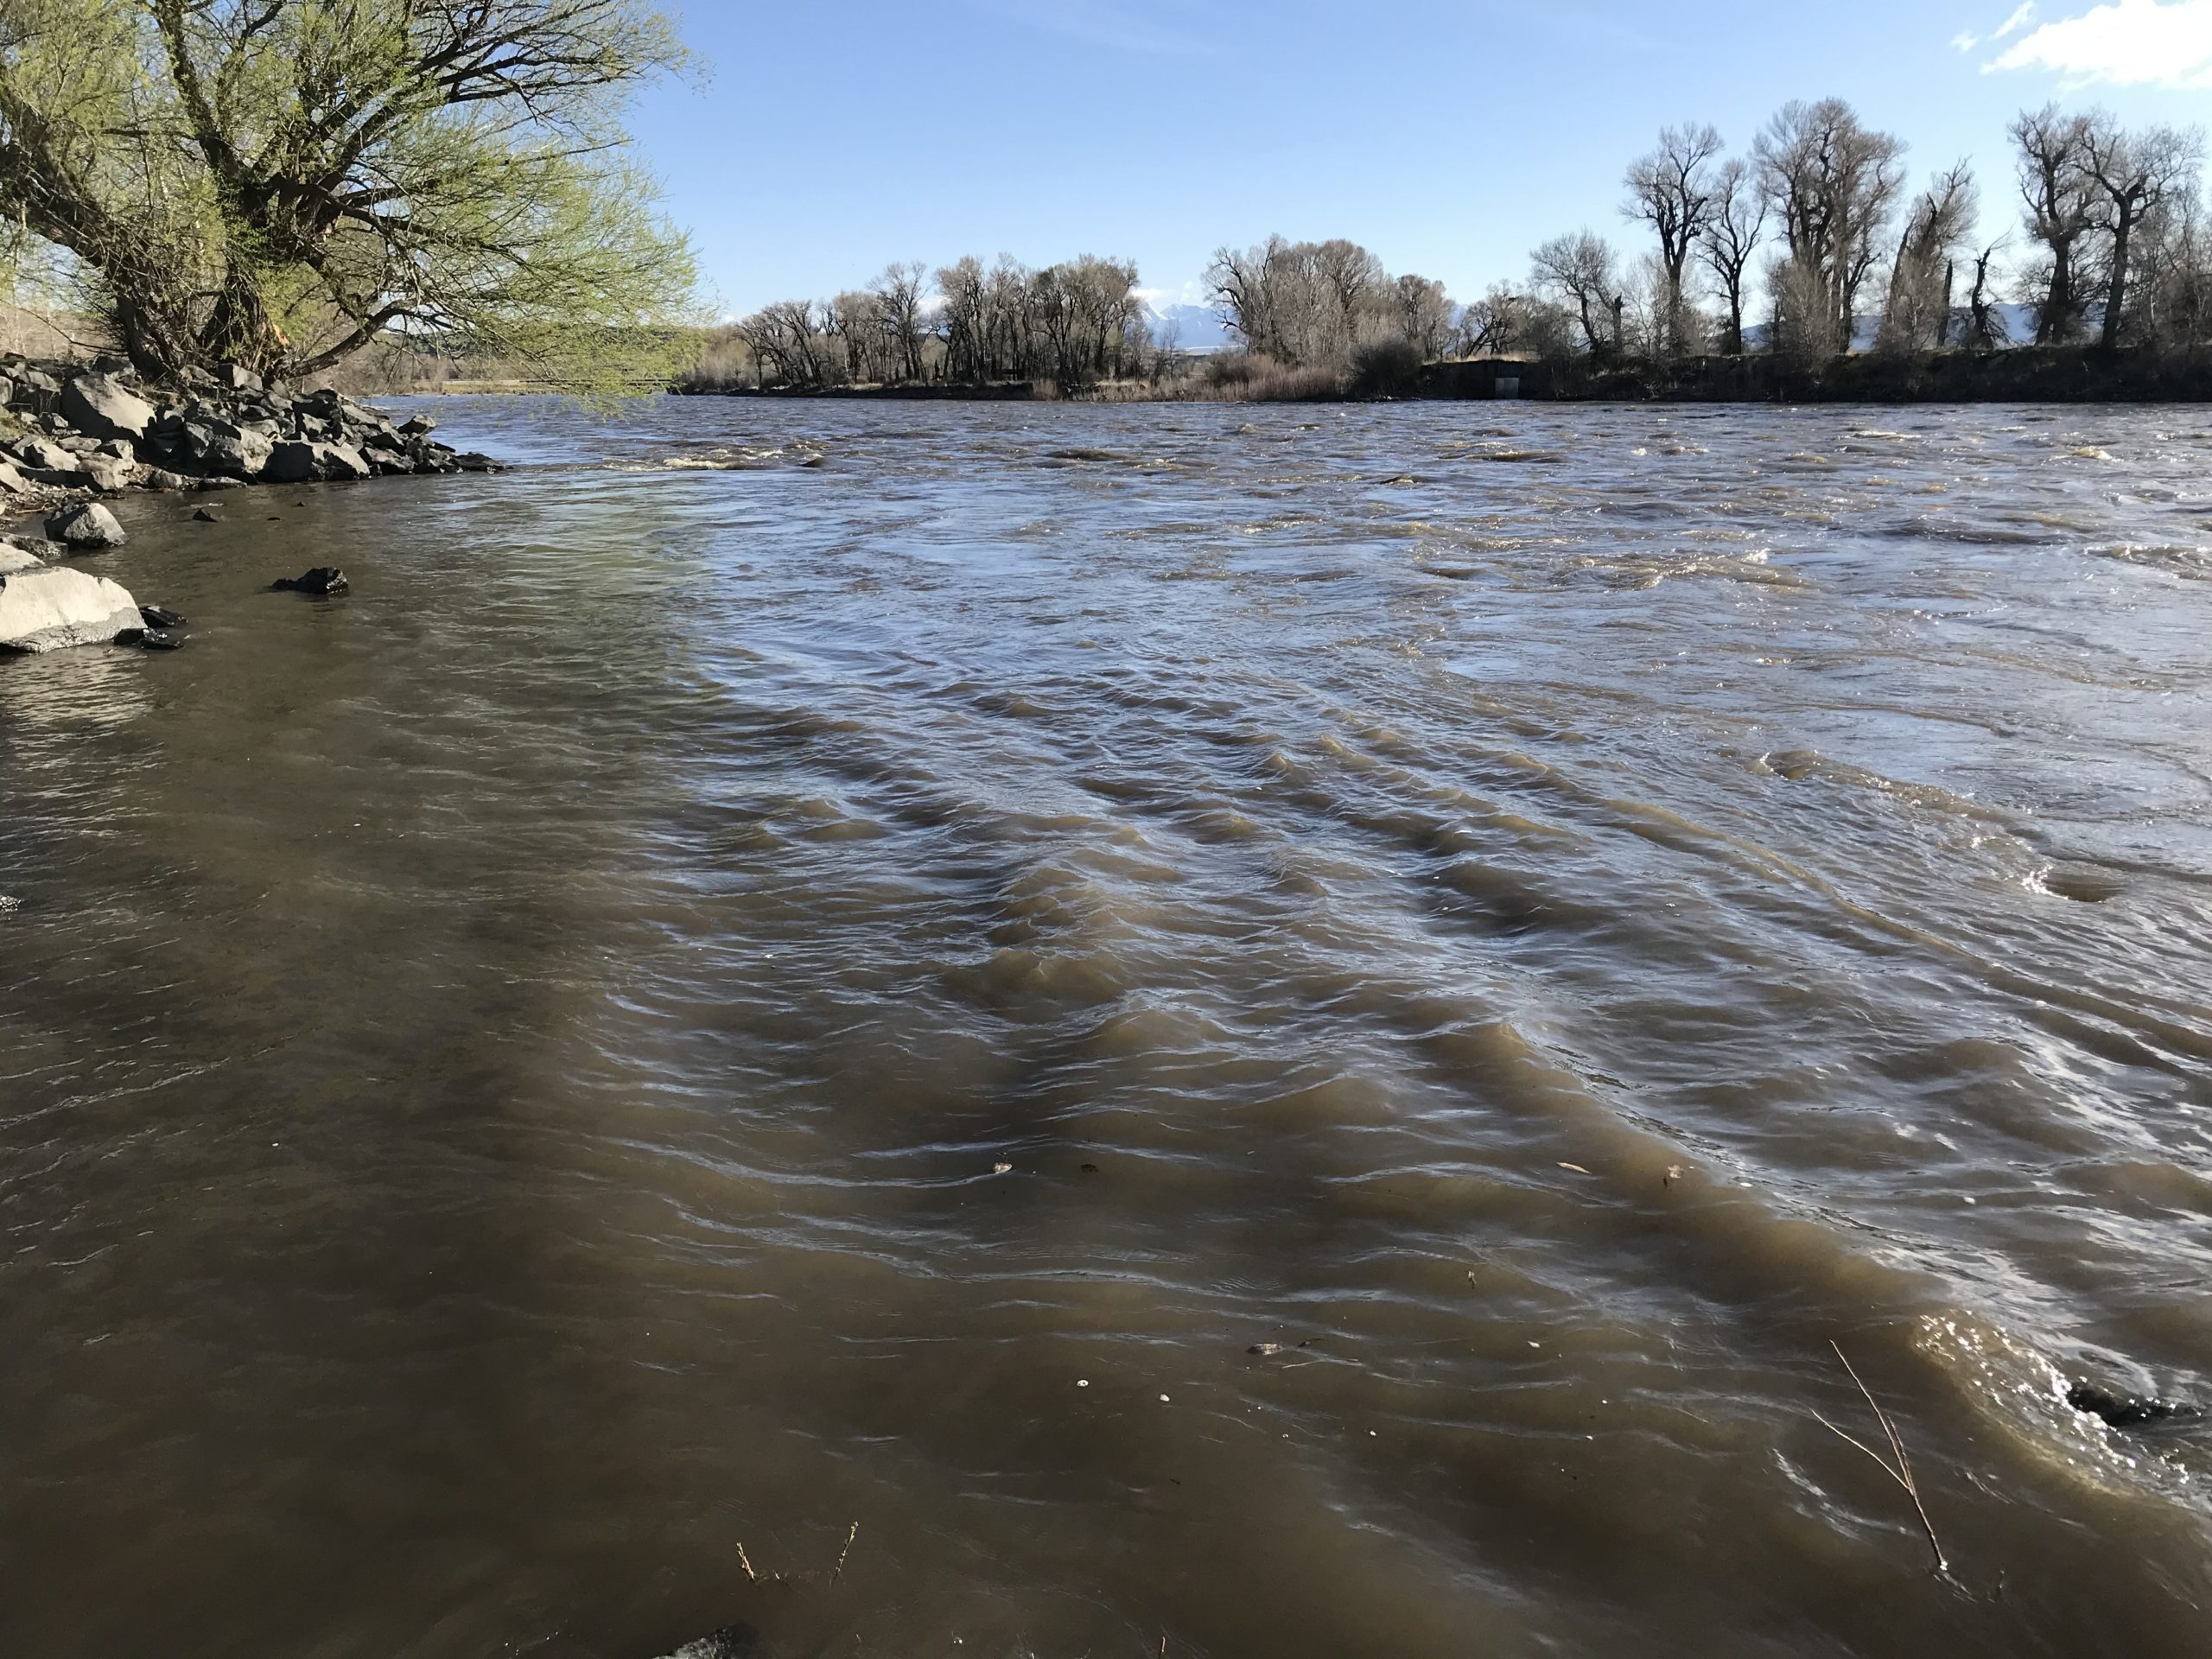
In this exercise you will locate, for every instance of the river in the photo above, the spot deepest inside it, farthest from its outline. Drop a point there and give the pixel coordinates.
(1233, 1031)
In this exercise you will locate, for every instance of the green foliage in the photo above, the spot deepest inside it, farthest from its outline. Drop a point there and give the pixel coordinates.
(280, 183)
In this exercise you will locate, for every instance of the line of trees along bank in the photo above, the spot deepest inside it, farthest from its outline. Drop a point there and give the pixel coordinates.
(1074, 324)
(1795, 247)
(2114, 245)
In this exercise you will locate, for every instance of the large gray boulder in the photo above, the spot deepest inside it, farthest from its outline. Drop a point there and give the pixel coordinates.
(101, 406)
(33, 388)
(109, 475)
(86, 530)
(51, 607)
(223, 446)
(46, 455)
(292, 463)
(301, 463)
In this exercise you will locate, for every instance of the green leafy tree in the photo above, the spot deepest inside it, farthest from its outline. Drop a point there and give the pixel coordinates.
(277, 183)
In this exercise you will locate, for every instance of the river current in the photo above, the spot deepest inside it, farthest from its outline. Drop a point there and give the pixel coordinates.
(1206, 1031)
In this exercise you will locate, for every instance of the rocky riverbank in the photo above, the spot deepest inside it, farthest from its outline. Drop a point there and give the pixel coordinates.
(73, 433)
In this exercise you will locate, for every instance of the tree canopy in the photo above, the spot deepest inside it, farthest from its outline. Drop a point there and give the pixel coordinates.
(278, 182)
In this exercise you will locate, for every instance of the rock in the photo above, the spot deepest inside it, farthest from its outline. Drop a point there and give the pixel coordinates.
(54, 607)
(206, 516)
(87, 529)
(292, 463)
(472, 462)
(150, 639)
(323, 581)
(302, 462)
(109, 477)
(419, 427)
(154, 616)
(101, 406)
(11, 480)
(45, 455)
(118, 449)
(2128, 1410)
(155, 478)
(226, 449)
(736, 1642)
(15, 557)
(229, 377)
(33, 388)
(217, 481)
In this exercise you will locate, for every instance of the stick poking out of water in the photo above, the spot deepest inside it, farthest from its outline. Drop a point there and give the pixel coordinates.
(1901, 1471)
(834, 1574)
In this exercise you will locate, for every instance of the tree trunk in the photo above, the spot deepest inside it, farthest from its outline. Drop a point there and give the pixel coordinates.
(2116, 295)
(143, 341)
(240, 330)
(2058, 304)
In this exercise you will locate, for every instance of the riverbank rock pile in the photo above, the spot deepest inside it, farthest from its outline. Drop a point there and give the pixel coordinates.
(80, 431)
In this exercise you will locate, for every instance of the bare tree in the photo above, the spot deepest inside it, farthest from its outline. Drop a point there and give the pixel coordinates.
(899, 293)
(2174, 274)
(2061, 198)
(1734, 229)
(1241, 282)
(1301, 303)
(2136, 172)
(1833, 184)
(1353, 281)
(1672, 190)
(1942, 218)
(1986, 329)
(1423, 315)
(962, 320)
(1580, 272)
(1491, 325)
(785, 341)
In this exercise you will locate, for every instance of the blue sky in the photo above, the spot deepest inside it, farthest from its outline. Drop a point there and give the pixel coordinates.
(1448, 136)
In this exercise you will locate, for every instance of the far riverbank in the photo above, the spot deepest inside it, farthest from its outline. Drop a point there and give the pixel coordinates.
(2074, 374)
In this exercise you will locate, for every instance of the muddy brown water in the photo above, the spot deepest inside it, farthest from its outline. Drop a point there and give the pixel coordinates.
(788, 966)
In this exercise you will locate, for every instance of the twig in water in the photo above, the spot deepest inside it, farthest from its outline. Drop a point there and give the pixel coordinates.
(831, 1577)
(1901, 1471)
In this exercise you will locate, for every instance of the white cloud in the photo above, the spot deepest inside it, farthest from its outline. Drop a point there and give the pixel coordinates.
(2021, 17)
(2126, 43)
